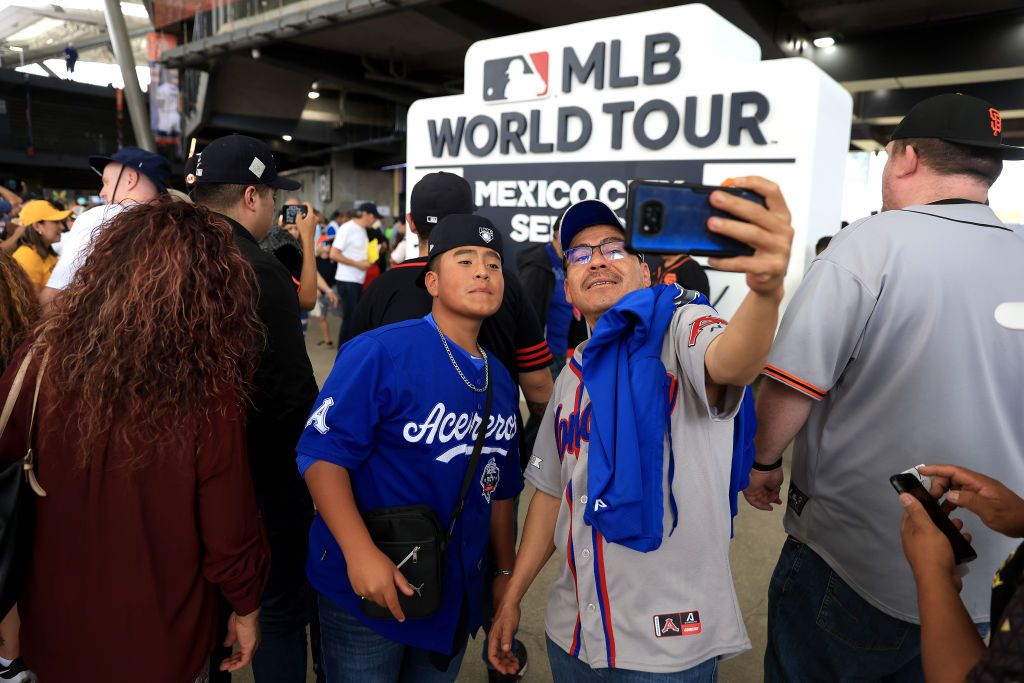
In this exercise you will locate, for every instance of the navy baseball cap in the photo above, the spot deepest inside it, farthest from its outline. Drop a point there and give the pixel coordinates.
(370, 208)
(585, 214)
(239, 160)
(958, 118)
(153, 166)
(437, 195)
(460, 230)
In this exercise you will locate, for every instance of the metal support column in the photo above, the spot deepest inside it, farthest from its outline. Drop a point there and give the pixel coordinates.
(137, 108)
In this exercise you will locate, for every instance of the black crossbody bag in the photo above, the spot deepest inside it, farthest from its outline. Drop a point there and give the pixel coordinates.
(412, 537)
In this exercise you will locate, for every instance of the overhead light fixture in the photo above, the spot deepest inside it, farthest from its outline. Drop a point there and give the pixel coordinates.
(314, 90)
(15, 48)
(286, 138)
(824, 41)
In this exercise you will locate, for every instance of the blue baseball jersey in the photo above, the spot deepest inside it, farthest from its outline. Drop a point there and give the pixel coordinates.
(396, 414)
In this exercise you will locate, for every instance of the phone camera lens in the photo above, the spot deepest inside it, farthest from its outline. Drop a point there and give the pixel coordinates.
(651, 217)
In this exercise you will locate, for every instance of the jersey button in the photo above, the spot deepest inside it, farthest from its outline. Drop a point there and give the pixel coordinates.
(583, 499)
(591, 607)
(585, 553)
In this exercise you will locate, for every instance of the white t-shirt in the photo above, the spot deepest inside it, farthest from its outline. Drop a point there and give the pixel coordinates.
(351, 240)
(76, 243)
(401, 251)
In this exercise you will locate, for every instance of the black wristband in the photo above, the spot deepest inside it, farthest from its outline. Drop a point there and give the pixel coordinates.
(768, 468)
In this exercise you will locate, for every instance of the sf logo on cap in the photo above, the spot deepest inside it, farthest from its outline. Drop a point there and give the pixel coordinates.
(995, 121)
(486, 234)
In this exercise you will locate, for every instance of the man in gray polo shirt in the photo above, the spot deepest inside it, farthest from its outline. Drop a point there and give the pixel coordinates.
(889, 355)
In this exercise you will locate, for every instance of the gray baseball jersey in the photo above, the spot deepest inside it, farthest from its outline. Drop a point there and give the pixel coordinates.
(672, 608)
(892, 332)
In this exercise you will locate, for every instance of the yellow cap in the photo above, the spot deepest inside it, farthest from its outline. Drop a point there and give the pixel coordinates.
(40, 210)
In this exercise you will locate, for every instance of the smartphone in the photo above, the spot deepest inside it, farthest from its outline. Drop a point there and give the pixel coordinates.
(672, 218)
(908, 483)
(291, 211)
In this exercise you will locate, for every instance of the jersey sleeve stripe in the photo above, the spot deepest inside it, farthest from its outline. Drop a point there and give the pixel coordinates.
(530, 349)
(602, 598)
(795, 382)
(545, 351)
(526, 366)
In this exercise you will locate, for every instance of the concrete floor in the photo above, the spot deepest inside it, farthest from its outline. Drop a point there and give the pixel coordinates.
(757, 540)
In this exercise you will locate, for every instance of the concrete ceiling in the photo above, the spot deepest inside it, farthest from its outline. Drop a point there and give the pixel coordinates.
(377, 56)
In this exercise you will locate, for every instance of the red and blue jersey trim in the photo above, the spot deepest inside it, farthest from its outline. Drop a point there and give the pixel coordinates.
(602, 598)
(574, 649)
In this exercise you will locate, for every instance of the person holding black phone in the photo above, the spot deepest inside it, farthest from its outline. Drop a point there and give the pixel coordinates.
(396, 427)
(951, 647)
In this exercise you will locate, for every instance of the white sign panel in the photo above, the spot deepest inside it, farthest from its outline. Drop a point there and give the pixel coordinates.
(558, 115)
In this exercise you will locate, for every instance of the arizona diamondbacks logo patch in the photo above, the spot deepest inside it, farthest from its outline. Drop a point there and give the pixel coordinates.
(677, 624)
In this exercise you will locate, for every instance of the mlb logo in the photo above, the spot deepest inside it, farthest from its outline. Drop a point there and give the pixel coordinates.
(677, 624)
(511, 79)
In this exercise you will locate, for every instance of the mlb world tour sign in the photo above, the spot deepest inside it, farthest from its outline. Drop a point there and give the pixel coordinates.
(555, 116)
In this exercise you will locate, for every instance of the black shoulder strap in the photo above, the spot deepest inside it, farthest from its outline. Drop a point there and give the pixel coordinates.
(474, 459)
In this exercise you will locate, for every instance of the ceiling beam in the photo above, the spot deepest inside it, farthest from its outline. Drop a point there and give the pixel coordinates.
(474, 20)
(276, 26)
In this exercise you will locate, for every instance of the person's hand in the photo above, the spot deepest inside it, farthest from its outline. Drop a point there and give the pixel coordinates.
(306, 225)
(332, 297)
(927, 549)
(999, 508)
(375, 577)
(246, 631)
(766, 229)
(362, 265)
(765, 488)
(501, 637)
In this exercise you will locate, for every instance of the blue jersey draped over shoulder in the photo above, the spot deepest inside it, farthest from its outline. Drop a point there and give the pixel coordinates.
(396, 414)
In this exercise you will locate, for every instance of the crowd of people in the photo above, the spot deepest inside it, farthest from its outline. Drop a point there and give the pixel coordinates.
(204, 506)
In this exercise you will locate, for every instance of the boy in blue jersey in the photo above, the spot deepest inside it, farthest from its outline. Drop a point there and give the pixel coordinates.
(395, 425)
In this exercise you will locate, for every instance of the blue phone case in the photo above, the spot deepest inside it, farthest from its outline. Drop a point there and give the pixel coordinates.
(684, 210)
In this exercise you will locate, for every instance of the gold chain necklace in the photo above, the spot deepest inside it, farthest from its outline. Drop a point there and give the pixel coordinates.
(487, 372)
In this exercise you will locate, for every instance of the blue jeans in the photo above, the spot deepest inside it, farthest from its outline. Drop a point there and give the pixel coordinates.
(348, 296)
(287, 605)
(352, 652)
(568, 669)
(820, 629)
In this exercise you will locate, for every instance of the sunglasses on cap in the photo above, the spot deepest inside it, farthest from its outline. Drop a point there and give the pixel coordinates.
(580, 256)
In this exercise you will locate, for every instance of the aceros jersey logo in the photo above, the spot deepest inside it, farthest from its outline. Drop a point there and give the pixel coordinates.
(521, 77)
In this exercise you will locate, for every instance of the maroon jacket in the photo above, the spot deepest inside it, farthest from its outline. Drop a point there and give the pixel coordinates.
(126, 563)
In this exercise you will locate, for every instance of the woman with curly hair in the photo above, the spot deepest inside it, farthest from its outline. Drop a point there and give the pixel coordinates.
(34, 249)
(19, 307)
(140, 446)
(19, 310)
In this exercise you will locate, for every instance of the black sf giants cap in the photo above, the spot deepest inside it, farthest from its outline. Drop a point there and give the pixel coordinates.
(437, 195)
(237, 160)
(460, 230)
(957, 118)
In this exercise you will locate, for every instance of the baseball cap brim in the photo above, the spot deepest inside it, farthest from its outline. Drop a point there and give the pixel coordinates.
(585, 214)
(282, 183)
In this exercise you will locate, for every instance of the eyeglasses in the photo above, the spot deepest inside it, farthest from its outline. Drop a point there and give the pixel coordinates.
(581, 255)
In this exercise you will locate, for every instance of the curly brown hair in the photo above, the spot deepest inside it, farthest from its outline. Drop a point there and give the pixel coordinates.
(19, 306)
(159, 319)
